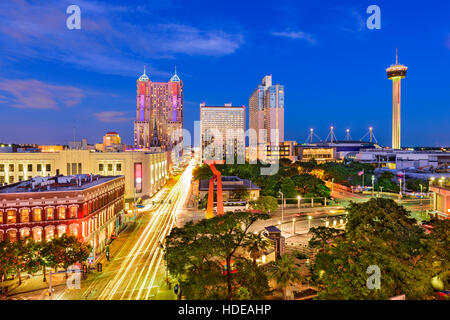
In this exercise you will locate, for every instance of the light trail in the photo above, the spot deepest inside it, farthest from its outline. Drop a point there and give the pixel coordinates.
(139, 270)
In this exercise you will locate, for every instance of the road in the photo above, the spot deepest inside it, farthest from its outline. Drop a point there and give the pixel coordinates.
(136, 270)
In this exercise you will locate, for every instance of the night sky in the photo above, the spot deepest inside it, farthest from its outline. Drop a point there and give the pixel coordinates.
(332, 66)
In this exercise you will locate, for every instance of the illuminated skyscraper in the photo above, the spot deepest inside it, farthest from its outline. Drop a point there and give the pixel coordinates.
(396, 73)
(222, 130)
(160, 105)
(266, 111)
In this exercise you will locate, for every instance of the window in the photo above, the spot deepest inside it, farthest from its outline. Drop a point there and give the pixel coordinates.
(61, 213)
(37, 234)
(2, 180)
(11, 216)
(1, 217)
(49, 213)
(48, 167)
(29, 177)
(30, 167)
(24, 233)
(37, 214)
(39, 167)
(49, 234)
(20, 167)
(25, 215)
(119, 167)
(2, 168)
(11, 179)
(110, 166)
(73, 212)
(61, 230)
(20, 178)
(11, 167)
(12, 235)
(100, 167)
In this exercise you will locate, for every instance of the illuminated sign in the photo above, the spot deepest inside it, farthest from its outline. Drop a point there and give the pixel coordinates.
(138, 177)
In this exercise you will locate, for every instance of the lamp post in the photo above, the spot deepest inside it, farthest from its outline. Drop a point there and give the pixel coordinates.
(293, 225)
(373, 183)
(421, 194)
(332, 185)
(309, 223)
(299, 198)
(400, 192)
(282, 210)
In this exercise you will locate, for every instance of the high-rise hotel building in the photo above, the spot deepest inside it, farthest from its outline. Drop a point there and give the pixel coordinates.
(222, 130)
(266, 114)
(159, 111)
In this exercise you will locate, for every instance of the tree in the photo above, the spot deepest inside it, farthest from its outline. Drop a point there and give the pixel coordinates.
(256, 244)
(24, 256)
(380, 233)
(310, 186)
(288, 188)
(67, 251)
(387, 183)
(7, 259)
(195, 254)
(322, 235)
(415, 185)
(285, 272)
(252, 280)
(265, 204)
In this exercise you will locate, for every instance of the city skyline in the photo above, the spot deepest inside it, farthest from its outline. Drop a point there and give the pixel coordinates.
(328, 62)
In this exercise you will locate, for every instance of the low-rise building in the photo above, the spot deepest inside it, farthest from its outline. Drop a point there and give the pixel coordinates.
(404, 159)
(89, 207)
(145, 172)
(441, 201)
(232, 186)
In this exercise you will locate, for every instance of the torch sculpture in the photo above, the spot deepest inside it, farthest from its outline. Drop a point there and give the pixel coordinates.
(217, 176)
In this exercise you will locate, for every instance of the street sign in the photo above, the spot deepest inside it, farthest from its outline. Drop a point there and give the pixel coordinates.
(175, 289)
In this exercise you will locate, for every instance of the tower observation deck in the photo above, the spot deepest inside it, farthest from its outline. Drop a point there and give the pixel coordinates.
(396, 73)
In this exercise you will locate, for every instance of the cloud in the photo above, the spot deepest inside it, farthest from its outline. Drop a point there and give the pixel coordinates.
(35, 94)
(112, 116)
(110, 40)
(295, 35)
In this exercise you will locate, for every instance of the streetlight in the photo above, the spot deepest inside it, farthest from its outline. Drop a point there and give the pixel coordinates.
(373, 182)
(421, 194)
(293, 225)
(309, 222)
(400, 192)
(282, 210)
(299, 198)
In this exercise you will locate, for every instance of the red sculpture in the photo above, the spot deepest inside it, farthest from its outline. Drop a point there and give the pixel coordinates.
(216, 177)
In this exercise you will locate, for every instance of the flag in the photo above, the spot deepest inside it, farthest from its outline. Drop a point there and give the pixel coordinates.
(361, 172)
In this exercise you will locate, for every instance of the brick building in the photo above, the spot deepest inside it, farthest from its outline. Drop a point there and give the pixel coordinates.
(89, 207)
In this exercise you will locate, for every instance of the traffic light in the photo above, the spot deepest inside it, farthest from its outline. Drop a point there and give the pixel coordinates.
(99, 267)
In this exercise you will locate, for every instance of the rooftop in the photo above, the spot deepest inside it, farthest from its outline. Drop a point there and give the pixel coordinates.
(229, 183)
(57, 183)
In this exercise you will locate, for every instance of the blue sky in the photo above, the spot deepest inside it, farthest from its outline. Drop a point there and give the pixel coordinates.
(332, 66)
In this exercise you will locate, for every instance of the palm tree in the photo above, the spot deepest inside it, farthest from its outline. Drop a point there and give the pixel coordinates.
(256, 244)
(285, 272)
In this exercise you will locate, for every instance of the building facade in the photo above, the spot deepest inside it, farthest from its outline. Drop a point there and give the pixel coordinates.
(159, 105)
(145, 172)
(89, 207)
(266, 114)
(222, 130)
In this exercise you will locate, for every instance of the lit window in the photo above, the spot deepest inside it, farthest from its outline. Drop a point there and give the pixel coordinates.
(37, 214)
(61, 213)
(11, 216)
(25, 215)
(49, 213)
(73, 212)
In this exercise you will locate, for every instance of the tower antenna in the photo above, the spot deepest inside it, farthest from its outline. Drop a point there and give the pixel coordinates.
(396, 55)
